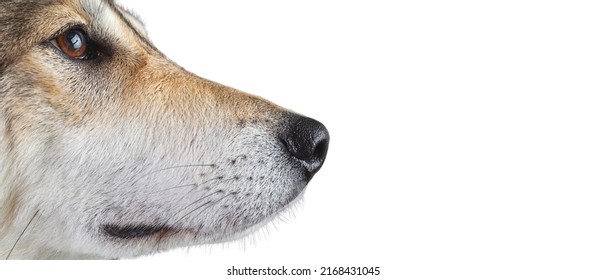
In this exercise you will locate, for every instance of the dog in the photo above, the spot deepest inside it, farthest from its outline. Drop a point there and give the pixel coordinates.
(110, 150)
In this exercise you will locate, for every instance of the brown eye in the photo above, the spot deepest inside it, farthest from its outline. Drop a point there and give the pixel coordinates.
(75, 44)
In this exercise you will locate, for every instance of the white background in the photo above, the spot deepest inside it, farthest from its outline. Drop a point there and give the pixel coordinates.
(468, 138)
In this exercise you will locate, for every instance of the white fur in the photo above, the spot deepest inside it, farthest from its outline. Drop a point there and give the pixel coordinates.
(211, 182)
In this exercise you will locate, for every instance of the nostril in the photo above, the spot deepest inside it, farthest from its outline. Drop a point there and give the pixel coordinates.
(306, 140)
(321, 149)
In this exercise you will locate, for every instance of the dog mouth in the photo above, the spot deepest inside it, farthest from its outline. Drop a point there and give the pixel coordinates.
(135, 231)
(125, 231)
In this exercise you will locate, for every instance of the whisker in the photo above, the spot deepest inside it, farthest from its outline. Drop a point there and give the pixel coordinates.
(21, 235)
(219, 178)
(200, 199)
(211, 203)
(193, 203)
(207, 204)
(172, 167)
(217, 201)
(210, 180)
(177, 187)
(188, 213)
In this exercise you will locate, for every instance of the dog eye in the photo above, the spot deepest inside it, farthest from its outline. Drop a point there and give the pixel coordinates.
(75, 44)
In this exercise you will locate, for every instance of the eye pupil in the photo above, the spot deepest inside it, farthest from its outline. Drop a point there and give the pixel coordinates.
(75, 40)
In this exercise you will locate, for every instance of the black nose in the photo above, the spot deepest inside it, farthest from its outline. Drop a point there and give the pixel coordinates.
(306, 140)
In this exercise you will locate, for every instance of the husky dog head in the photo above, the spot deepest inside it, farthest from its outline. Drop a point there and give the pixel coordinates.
(108, 149)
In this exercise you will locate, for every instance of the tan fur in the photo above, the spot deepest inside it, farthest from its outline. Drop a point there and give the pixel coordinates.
(116, 140)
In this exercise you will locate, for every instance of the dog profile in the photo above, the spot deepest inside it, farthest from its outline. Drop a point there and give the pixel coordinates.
(110, 150)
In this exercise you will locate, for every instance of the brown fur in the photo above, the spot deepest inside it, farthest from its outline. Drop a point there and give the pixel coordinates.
(75, 129)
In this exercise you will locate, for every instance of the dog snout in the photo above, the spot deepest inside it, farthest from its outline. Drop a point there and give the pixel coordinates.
(306, 140)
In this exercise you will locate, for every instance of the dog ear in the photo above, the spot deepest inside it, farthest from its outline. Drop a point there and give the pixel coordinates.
(133, 18)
